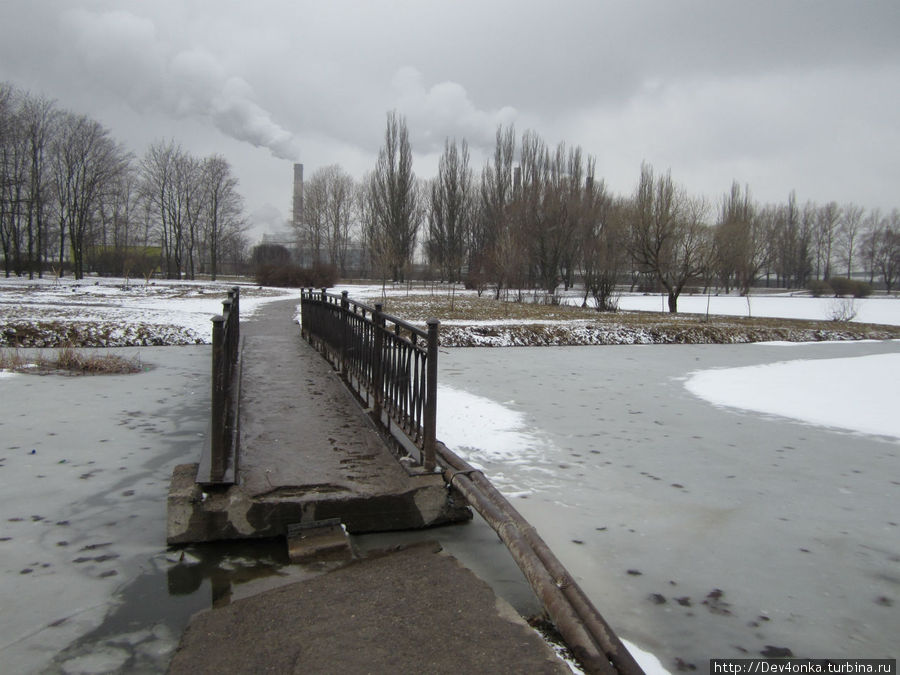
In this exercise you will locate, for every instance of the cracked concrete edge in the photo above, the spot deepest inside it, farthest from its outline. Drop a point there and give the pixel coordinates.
(194, 515)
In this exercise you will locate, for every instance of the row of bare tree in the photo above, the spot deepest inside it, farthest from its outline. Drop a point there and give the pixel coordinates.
(538, 217)
(73, 197)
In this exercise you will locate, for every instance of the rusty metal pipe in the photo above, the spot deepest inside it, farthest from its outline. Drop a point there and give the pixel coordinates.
(579, 622)
(562, 614)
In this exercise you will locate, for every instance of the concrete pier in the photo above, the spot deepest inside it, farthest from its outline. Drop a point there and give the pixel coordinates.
(307, 452)
(415, 610)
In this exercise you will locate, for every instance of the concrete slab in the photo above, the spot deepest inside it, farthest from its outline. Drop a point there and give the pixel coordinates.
(307, 452)
(414, 610)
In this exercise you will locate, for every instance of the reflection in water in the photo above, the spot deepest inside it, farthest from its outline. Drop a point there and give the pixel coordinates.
(225, 565)
(149, 614)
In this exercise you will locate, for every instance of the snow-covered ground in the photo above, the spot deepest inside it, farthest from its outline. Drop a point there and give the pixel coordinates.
(128, 312)
(876, 309)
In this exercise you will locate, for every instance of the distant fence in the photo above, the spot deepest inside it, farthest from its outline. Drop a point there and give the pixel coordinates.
(225, 395)
(389, 363)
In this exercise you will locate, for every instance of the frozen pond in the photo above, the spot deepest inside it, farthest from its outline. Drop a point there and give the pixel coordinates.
(86, 582)
(699, 531)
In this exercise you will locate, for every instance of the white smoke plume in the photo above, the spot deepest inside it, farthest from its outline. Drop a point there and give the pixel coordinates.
(124, 53)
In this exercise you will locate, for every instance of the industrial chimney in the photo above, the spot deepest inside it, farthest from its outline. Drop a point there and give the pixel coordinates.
(298, 195)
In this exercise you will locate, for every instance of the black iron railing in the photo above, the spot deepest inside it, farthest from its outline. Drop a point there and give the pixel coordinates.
(389, 363)
(225, 395)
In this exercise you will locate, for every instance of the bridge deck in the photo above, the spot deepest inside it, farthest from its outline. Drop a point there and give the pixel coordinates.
(307, 452)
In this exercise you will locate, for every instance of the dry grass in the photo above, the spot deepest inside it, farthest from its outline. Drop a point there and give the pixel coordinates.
(419, 308)
(69, 361)
(523, 323)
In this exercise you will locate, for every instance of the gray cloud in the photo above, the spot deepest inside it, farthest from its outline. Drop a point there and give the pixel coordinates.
(781, 95)
(125, 54)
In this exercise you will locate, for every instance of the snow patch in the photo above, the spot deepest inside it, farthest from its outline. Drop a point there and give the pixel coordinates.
(481, 429)
(857, 394)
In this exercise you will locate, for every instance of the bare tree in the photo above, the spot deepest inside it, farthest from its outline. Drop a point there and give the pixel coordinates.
(223, 209)
(395, 203)
(874, 225)
(491, 239)
(87, 163)
(329, 203)
(13, 178)
(39, 117)
(741, 238)
(887, 257)
(668, 237)
(313, 225)
(826, 225)
(157, 171)
(339, 216)
(849, 230)
(599, 243)
(450, 211)
(792, 242)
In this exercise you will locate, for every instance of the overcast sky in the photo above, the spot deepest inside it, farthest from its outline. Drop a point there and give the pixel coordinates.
(777, 94)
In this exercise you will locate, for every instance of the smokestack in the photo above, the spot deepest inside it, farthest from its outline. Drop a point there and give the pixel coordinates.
(298, 195)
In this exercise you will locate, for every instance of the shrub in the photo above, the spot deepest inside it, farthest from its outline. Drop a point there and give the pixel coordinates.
(819, 288)
(849, 287)
(861, 289)
(294, 276)
(843, 310)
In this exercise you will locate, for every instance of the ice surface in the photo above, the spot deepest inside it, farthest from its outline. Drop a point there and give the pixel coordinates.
(701, 531)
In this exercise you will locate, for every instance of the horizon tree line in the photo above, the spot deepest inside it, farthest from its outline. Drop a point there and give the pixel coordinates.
(538, 217)
(73, 198)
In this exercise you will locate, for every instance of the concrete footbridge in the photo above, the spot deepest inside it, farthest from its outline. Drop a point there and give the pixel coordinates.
(311, 449)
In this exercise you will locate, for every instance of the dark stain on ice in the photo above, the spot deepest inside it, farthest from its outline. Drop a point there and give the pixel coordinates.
(634, 573)
(777, 652)
(657, 598)
(682, 666)
(715, 604)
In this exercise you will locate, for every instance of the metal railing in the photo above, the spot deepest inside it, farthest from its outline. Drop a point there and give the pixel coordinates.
(389, 363)
(225, 394)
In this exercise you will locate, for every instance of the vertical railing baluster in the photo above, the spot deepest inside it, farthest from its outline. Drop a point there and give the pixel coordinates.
(377, 356)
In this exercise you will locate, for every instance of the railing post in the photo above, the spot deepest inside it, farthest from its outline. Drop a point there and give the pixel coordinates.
(304, 318)
(227, 309)
(430, 416)
(235, 296)
(217, 422)
(378, 361)
(345, 331)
